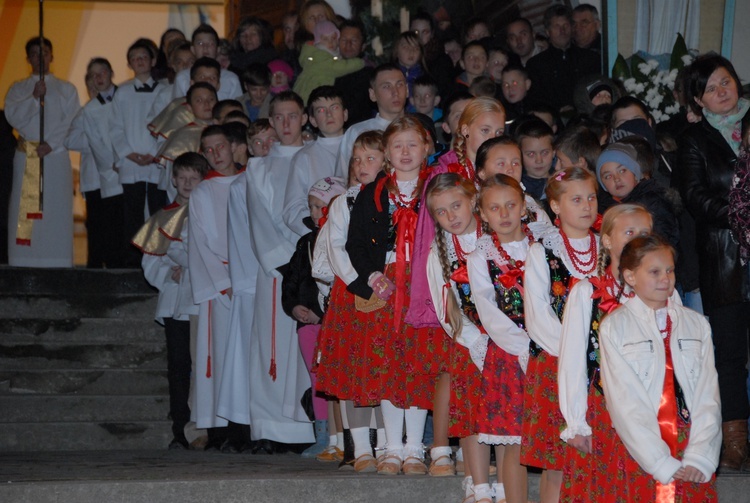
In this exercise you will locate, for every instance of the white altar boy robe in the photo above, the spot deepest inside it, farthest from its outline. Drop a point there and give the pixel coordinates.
(52, 236)
(275, 409)
(234, 394)
(209, 276)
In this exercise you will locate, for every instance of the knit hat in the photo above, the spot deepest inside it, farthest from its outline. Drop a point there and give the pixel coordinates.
(635, 127)
(278, 65)
(621, 154)
(327, 188)
(324, 27)
(598, 86)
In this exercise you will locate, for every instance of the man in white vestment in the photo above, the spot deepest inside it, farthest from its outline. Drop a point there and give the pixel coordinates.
(209, 274)
(41, 238)
(279, 377)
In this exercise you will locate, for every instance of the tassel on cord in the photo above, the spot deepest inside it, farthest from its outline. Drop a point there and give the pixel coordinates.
(208, 360)
(272, 369)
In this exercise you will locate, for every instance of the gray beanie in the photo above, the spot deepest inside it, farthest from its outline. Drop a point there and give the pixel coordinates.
(620, 153)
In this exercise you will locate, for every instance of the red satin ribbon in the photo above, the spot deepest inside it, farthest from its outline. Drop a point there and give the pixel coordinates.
(405, 220)
(324, 218)
(510, 278)
(667, 416)
(602, 286)
(460, 275)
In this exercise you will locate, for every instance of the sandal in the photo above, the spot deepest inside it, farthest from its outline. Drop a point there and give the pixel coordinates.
(330, 455)
(414, 466)
(442, 469)
(389, 465)
(365, 464)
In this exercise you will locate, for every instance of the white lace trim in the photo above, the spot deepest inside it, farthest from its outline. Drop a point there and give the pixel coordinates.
(485, 438)
(553, 241)
(468, 243)
(516, 249)
(571, 431)
(478, 351)
(353, 191)
(406, 188)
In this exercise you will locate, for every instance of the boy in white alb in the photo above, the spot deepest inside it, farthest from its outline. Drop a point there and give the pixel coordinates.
(45, 241)
(278, 374)
(209, 273)
(316, 160)
(388, 89)
(164, 268)
(99, 182)
(135, 148)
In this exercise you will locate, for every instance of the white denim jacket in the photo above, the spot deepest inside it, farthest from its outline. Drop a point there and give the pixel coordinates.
(633, 368)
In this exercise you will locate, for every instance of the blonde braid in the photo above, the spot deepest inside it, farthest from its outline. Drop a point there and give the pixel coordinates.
(460, 149)
(452, 309)
(602, 261)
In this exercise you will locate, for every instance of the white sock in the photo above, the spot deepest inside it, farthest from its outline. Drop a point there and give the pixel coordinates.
(339, 441)
(439, 452)
(381, 438)
(361, 437)
(393, 420)
(460, 454)
(468, 485)
(333, 440)
(498, 491)
(482, 491)
(415, 420)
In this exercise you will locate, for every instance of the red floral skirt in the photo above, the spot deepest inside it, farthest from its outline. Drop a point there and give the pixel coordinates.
(599, 477)
(341, 346)
(466, 393)
(502, 387)
(641, 486)
(541, 445)
(401, 366)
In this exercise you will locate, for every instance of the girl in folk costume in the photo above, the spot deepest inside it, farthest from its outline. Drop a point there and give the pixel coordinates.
(594, 448)
(658, 374)
(563, 257)
(451, 200)
(482, 119)
(342, 341)
(403, 361)
(496, 275)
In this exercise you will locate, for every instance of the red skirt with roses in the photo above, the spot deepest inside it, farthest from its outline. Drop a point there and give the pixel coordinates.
(466, 393)
(541, 445)
(499, 416)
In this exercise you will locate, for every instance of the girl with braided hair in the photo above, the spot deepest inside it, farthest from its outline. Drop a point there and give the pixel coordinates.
(451, 201)
(593, 446)
(482, 119)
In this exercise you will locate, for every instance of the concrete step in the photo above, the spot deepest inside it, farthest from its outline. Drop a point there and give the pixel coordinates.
(81, 436)
(63, 356)
(24, 281)
(76, 305)
(77, 330)
(200, 477)
(76, 408)
(84, 382)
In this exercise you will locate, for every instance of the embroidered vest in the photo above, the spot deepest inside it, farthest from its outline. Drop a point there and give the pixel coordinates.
(509, 300)
(561, 283)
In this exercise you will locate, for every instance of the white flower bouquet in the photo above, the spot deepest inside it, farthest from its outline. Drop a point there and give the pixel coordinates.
(647, 80)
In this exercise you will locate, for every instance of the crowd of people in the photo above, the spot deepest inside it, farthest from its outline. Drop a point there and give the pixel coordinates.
(493, 244)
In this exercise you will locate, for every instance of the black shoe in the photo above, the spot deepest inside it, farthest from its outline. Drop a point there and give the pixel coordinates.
(229, 447)
(262, 446)
(213, 444)
(178, 444)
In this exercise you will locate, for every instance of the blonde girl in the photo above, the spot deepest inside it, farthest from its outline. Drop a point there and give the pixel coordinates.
(338, 356)
(563, 257)
(658, 374)
(590, 473)
(483, 118)
(402, 362)
(451, 200)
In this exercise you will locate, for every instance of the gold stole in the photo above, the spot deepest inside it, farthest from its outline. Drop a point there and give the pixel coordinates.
(162, 228)
(29, 209)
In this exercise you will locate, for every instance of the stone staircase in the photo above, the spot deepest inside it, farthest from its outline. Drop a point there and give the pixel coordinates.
(82, 362)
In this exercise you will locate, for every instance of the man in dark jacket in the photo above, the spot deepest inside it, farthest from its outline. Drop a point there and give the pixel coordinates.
(556, 70)
(354, 86)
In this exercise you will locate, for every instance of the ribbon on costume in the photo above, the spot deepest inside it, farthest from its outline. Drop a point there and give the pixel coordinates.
(28, 209)
(667, 417)
(405, 220)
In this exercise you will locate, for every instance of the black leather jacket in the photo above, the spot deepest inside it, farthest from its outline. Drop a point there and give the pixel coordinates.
(704, 176)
